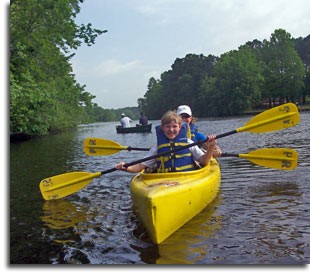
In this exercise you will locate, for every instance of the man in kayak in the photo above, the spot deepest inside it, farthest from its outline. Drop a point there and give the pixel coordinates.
(185, 112)
(125, 121)
(172, 133)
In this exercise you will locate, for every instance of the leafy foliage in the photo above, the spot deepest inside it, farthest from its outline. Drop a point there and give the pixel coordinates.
(236, 84)
(44, 95)
(181, 84)
(284, 70)
(271, 71)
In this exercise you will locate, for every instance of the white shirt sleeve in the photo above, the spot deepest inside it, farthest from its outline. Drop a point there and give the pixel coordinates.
(195, 150)
(150, 163)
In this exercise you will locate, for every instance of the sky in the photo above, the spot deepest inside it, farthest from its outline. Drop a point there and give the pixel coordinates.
(145, 37)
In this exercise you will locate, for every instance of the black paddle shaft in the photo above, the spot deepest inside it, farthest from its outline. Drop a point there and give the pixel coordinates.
(168, 152)
(129, 148)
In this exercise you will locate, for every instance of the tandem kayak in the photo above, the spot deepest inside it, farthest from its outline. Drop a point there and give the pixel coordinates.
(137, 129)
(164, 202)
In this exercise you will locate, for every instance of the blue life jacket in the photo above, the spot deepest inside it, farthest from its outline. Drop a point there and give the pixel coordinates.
(175, 161)
(194, 135)
(191, 132)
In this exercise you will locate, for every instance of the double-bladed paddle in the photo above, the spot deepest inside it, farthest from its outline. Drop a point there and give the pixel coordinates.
(100, 146)
(277, 158)
(65, 184)
(277, 118)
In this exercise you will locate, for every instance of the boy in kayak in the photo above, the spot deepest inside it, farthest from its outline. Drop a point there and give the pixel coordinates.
(172, 133)
(185, 113)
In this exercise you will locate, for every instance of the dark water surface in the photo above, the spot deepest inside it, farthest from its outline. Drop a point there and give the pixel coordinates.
(261, 216)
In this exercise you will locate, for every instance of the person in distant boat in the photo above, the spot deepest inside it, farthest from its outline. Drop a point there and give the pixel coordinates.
(143, 119)
(171, 134)
(185, 112)
(125, 121)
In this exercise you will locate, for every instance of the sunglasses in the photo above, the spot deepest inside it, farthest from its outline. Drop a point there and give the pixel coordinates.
(185, 116)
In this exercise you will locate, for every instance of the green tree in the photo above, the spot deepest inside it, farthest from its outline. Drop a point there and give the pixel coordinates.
(44, 95)
(142, 104)
(181, 85)
(153, 98)
(101, 115)
(235, 82)
(284, 70)
(302, 46)
(236, 86)
(185, 78)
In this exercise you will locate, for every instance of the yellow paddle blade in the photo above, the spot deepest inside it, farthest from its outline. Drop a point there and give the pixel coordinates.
(277, 158)
(101, 146)
(62, 185)
(277, 118)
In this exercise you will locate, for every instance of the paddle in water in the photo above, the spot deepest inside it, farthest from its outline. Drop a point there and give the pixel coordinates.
(277, 118)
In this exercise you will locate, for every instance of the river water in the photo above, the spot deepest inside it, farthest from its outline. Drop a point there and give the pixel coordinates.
(260, 216)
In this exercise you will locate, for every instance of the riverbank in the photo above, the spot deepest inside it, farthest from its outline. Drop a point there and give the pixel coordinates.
(301, 108)
(304, 108)
(17, 136)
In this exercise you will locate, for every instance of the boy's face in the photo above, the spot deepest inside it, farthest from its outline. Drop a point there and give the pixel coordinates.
(171, 130)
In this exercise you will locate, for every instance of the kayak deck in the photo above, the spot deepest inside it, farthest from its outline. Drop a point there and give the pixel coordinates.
(166, 201)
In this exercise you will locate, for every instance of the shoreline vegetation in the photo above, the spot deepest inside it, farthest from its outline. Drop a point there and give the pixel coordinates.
(45, 97)
(16, 137)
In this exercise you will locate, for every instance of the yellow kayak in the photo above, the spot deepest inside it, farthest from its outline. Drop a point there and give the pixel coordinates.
(166, 201)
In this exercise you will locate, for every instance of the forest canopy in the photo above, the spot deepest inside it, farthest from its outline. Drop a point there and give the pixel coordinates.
(257, 75)
(45, 96)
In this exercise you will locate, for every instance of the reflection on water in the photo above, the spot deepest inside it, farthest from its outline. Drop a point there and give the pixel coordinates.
(261, 216)
(187, 245)
(62, 214)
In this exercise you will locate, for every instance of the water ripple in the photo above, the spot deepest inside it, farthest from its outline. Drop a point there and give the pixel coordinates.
(261, 216)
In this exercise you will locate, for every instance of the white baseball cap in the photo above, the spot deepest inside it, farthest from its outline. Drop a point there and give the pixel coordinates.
(184, 109)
